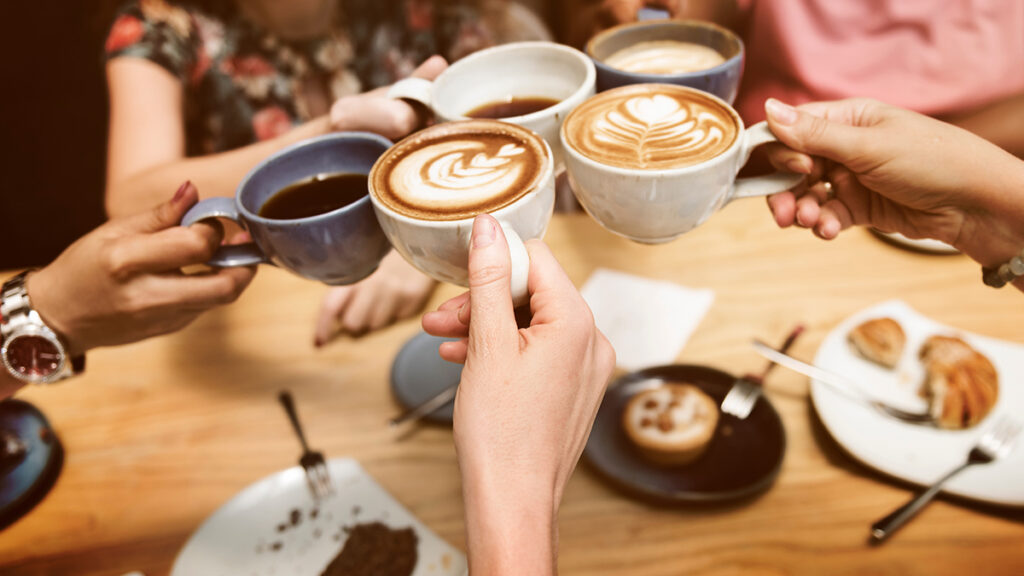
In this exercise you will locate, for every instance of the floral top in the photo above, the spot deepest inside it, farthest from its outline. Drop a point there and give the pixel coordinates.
(242, 83)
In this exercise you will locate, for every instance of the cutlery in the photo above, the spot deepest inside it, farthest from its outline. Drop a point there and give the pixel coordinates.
(426, 407)
(312, 462)
(841, 384)
(745, 391)
(995, 443)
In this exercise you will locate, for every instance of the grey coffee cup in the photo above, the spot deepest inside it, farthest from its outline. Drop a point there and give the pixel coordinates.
(342, 246)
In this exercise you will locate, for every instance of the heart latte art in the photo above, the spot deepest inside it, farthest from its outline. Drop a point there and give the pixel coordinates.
(458, 170)
(651, 127)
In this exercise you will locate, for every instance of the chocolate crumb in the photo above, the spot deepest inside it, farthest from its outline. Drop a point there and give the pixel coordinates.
(374, 549)
(356, 510)
(282, 527)
(296, 517)
(276, 546)
(314, 513)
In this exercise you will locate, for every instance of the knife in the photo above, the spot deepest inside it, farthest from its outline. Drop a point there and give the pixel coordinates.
(428, 406)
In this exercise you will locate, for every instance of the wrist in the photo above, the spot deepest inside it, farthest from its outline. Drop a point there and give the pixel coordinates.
(50, 310)
(993, 231)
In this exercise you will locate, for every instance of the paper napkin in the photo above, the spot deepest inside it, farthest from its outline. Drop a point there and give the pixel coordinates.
(647, 321)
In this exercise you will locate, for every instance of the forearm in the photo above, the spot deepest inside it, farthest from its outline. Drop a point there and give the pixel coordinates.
(214, 174)
(1001, 123)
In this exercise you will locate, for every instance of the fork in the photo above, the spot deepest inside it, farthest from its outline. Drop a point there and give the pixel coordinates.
(745, 390)
(312, 462)
(996, 442)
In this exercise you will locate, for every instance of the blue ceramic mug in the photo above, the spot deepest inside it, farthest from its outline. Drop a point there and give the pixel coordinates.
(722, 80)
(342, 246)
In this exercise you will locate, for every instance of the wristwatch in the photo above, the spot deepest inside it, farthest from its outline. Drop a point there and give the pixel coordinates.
(31, 350)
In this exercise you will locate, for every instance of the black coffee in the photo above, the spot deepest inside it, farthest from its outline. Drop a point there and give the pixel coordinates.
(515, 106)
(313, 196)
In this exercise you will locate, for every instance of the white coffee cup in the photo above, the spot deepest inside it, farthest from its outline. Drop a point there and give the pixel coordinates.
(440, 248)
(517, 70)
(656, 205)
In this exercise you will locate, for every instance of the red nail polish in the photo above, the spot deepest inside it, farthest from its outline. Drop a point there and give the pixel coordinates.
(181, 191)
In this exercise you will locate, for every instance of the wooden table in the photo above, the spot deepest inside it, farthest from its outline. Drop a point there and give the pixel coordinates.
(160, 433)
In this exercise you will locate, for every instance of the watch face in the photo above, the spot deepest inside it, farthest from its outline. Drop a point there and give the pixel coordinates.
(33, 356)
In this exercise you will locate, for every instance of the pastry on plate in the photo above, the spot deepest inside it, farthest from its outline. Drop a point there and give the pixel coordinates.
(961, 384)
(880, 340)
(671, 424)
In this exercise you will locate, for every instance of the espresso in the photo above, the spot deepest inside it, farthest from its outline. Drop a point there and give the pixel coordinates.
(314, 196)
(514, 106)
(665, 57)
(457, 170)
(651, 127)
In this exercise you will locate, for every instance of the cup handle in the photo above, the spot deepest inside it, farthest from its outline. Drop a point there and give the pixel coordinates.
(415, 89)
(755, 136)
(247, 254)
(520, 268)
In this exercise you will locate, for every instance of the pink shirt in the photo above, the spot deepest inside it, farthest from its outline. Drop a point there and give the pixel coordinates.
(933, 56)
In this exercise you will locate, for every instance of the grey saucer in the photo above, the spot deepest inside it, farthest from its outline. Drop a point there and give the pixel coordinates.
(418, 374)
(742, 460)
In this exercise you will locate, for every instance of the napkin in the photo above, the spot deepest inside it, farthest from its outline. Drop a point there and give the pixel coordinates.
(647, 321)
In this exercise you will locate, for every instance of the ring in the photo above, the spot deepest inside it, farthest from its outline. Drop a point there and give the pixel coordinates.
(830, 190)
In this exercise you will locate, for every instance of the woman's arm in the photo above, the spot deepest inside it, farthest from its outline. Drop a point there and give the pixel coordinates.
(1001, 123)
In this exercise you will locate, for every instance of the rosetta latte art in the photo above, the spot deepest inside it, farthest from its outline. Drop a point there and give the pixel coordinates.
(652, 130)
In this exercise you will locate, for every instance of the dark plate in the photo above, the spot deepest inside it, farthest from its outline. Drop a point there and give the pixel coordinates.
(418, 374)
(25, 481)
(743, 458)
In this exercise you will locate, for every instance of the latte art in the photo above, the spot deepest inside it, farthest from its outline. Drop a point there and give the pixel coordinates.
(665, 57)
(651, 127)
(458, 170)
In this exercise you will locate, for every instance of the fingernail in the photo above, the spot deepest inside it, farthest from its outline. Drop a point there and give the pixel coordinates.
(461, 316)
(780, 112)
(181, 191)
(797, 166)
(317, 343)
(483, 232)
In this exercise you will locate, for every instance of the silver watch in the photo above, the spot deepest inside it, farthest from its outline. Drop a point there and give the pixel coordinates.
(31, 350)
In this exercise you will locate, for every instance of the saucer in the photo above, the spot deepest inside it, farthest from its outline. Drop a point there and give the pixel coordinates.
(743, 459)
(921, 245)
(418, 374)
(26, 480)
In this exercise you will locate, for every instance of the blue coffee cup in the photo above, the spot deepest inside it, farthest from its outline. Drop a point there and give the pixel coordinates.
(342, 246)
(722, 80)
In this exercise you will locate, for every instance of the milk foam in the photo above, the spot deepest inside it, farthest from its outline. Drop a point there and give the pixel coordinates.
(665, 57)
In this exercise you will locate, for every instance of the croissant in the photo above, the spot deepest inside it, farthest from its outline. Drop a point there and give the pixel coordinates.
(961, 384)
(880, 340)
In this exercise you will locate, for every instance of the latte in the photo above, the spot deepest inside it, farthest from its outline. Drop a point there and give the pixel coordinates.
(457, 170)
(651, 127)
(665, 57)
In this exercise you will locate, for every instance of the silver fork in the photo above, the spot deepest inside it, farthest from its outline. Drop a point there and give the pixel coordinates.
(312, 462)
(996, 442)
(745, 390)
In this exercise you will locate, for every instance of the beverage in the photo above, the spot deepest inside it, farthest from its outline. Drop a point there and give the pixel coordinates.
(651, 127)
(512, 107)
(665, 57)
(457, 170)
(314, 196)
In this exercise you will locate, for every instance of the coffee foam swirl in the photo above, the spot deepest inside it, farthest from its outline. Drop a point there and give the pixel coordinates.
(458, 170)
(665, 57)
(651, 127)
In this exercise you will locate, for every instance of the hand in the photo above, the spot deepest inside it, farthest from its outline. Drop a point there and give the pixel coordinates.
(122, 282)
(898, 171)
(374, 112)
(395, 291)
(526, 401)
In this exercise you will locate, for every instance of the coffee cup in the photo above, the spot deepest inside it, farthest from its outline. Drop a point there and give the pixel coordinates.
(684, 52)
(522, 76)
(429, 187)
(652, 161)
(339, 246)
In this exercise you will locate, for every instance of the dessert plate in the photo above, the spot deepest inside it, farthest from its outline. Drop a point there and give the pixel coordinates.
(743, 458)
(274, 527)
(919, 454)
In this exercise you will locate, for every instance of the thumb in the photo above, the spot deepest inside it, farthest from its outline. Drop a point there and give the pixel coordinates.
(430, 68)
(811, 134)
(490, 294)
(165, 215)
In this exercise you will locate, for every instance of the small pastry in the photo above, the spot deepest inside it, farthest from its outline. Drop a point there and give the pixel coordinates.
(880, 340)
(961, 384)
(672, 424)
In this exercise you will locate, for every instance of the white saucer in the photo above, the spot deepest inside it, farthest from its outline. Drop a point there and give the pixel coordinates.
(920, 244)
(253, 534)
(914, 453)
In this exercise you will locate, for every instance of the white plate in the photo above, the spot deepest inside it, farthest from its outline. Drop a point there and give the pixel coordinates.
(240, 537)
(913, 453)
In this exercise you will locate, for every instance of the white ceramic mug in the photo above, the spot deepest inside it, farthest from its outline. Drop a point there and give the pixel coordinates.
(653, 206)
(520, 69)
(440, 248)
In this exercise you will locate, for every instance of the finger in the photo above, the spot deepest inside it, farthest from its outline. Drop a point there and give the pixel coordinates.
(430, 68)
(331, 308)
(815, 135)
(165, 215)
(444, 324)
(783, 207)
(456, 352)
(455, 303)
(356, 318)
(553, 295)
(165, 251)
(808, 209)
(384, 309)
(834, 218)
(202, 291)
(786, 159)
(490, 271)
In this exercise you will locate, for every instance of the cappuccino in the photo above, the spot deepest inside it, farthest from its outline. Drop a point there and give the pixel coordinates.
(665, 57)
(457, 170)
(651, 127)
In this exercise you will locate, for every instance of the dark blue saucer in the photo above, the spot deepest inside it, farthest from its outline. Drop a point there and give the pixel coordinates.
(26, 479)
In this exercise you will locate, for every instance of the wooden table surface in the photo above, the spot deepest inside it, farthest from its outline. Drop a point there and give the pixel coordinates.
(160, 433)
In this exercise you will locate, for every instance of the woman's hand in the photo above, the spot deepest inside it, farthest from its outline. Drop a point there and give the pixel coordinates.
(123, 282)
(394, 292)
(526, 401)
